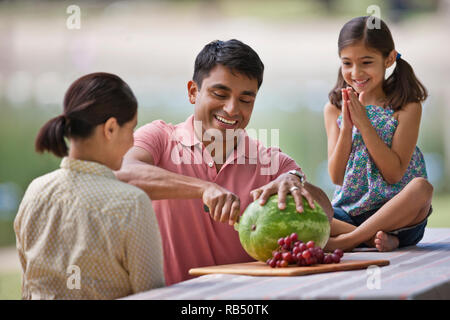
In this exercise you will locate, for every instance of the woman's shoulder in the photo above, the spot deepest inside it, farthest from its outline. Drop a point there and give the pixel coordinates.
(128, 199)
(43, 189)
(43, 182)
(111, 197)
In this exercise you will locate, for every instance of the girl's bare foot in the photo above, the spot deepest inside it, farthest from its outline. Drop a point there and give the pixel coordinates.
(385, 242)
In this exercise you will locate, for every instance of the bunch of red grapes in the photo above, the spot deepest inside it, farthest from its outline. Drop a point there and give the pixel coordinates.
(291, 251)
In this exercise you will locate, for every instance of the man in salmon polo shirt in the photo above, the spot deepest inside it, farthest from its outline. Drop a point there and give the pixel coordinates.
(209, 161)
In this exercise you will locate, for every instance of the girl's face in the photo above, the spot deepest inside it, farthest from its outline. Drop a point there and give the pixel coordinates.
(362, 68)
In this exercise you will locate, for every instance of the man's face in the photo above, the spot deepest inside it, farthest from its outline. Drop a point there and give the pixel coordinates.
(225, 100)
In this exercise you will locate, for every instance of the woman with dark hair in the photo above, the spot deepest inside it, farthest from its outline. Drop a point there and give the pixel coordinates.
(81, 233)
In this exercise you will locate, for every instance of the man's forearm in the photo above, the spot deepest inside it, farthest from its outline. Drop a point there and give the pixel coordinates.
(160, 184)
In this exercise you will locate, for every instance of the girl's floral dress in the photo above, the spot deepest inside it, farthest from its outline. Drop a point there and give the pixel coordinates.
(364, 188)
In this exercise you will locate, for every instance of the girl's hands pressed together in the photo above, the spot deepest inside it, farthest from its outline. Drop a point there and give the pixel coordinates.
(347, 122)
(356, 109)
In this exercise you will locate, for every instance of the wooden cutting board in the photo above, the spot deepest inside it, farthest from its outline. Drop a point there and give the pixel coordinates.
(261, 269)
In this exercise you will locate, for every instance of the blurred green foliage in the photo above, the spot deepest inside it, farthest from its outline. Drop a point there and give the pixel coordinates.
(10, 285)
(7, 236)
(19, 162)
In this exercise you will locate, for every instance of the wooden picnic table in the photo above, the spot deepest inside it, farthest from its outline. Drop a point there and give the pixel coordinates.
(417, 272)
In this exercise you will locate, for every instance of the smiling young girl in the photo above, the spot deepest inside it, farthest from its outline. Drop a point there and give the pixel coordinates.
(81, 233)
(383, 198)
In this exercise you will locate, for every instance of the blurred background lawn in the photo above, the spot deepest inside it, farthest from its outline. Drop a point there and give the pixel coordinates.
(152, 46)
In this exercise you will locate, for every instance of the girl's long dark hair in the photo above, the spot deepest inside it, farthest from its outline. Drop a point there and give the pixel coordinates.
(90, 101)
(402, 86)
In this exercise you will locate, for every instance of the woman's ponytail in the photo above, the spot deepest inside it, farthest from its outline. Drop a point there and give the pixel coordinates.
(403, 87)
(51, 137)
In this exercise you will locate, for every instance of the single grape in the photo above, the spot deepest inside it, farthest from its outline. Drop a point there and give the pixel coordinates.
(293, 237)
(327, 259)
(335, 257)
(339, 252)
(309, 261)
(281, 241)
(310, 244)
(287, 256)
(302, 247)
(297, 243)
(277, 255)
(273, 263)
(277, 263)
(296, 250)
(306, 254)
(287, 241)
(284, 264)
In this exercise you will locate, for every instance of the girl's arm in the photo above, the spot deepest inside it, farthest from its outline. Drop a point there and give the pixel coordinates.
(392, 162)
(339, 141)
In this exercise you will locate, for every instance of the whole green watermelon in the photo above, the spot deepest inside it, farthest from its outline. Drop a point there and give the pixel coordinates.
(260, 227)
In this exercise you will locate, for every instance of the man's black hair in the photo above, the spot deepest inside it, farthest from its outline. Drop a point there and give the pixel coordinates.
(234, 54)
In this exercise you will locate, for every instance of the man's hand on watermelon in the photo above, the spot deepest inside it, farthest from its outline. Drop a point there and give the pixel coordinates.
(285, 184)
(288, 181)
